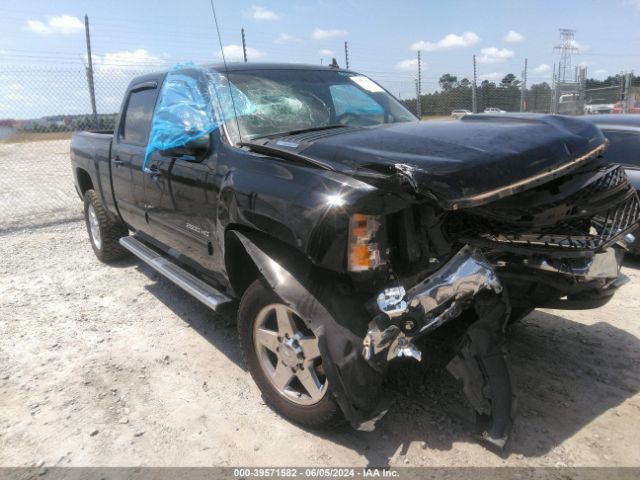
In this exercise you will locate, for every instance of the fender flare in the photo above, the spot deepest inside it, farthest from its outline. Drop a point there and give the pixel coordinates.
(355, 385)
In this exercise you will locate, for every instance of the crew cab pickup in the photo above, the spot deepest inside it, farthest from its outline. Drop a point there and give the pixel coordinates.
(348, 230)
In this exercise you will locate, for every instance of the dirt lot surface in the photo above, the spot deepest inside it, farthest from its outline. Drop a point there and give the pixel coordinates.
(111, 365)
(36, 186)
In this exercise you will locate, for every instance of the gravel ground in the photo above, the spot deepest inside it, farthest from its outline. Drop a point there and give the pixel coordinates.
(114, 366)
(36, 186)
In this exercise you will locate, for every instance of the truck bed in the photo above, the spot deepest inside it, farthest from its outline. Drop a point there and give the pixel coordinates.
(90, 155)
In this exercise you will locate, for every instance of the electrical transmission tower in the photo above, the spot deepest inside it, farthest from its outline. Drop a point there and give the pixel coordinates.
(566, 47)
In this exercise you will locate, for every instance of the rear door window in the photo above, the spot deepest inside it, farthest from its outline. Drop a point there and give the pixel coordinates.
(137, 117)
(624, 147)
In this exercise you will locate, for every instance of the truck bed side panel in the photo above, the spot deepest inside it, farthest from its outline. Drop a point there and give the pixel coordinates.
(91, 152)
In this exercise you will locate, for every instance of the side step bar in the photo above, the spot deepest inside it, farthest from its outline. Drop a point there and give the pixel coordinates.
(208, 295)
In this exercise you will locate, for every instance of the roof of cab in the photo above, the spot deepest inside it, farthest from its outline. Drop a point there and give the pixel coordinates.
(237, 67)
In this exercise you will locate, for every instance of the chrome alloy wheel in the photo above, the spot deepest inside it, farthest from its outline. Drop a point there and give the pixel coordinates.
(289, 355)
(94, 227)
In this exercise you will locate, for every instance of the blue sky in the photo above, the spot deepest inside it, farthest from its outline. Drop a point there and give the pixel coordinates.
(383, 37)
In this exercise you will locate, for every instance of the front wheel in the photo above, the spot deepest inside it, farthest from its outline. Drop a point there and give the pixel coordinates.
(283, 357)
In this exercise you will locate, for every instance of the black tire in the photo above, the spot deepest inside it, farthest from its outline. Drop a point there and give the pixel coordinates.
(322, 415)
(110, 229)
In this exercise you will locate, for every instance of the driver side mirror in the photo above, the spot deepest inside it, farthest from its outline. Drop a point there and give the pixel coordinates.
(195, 148)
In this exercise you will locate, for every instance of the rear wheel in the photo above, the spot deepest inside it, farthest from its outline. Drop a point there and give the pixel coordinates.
(283, 357)
(104, 230)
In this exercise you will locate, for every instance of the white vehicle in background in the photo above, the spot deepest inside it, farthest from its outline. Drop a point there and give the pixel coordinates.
(570, 104)
(460, 112)
(494, 110)
(598, 108)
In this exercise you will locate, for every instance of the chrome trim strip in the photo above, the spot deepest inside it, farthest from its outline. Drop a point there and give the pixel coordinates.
(486, 197)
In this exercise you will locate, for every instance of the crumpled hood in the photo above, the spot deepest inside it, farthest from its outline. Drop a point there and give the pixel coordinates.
(455, 160)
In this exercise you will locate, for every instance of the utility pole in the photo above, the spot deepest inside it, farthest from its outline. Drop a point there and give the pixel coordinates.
(89, 68)
(523, 88)
(244, 45)
(474, 94)
(626, 96)
(554, 91)
(582, 79)
(346, 55)
(419, 88)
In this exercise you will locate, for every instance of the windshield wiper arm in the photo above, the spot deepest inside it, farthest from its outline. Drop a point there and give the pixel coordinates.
(276, 152)
(303, 130)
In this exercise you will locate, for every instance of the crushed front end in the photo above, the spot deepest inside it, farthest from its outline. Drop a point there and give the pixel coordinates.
(559, 244)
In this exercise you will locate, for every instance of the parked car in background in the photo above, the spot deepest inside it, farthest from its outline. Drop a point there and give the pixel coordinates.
(460, 112)
(494, 110)
(623, 133)
(619, 108)
(570, 104)
(598, 108)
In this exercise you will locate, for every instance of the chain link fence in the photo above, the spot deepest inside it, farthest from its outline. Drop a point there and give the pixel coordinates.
(616, 94)
(41, 107)
(39, 110)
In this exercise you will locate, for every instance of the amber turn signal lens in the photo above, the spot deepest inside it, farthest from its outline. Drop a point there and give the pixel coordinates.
(363, 251)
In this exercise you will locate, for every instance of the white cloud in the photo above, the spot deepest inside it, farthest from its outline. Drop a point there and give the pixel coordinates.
(494, 55)
(127, 59)
(513, 37)
(321, 34)
(262, 14)
(285, 38)
(601, 73)
(64, 24)
(492, 76)
(467, 39)
(581, 47)
(234, 52)
(325, 52)
(542, 68)
(408, 64)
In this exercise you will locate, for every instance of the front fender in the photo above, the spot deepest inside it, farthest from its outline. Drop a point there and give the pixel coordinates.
(336, 317)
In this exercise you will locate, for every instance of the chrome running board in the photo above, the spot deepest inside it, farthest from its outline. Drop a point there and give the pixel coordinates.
(204, 292)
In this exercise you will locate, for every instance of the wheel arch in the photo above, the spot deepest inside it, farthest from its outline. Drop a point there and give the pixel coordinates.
(83, 181)
(338, 318)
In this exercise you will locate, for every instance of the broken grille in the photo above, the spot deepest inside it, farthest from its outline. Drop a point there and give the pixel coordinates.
(602, 230)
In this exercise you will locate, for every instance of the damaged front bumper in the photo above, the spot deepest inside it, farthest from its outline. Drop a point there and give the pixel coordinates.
(409, 314)
(429, 304)
(468, 280)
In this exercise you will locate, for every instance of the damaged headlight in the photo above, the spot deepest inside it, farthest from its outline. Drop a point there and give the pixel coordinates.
(364, 248)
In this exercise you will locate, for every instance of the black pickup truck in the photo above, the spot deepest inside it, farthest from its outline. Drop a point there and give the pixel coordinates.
(349, 231)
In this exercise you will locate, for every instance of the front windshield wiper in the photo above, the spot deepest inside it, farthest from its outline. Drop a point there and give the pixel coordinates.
(276, 152)
(302, 130)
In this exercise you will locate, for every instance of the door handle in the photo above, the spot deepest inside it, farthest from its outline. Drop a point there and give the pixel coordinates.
(117, 161)
(154, 171)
